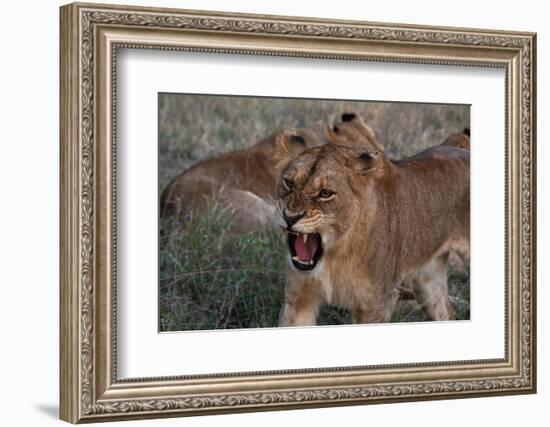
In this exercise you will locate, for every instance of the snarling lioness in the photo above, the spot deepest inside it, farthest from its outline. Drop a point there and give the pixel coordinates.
(359, 226)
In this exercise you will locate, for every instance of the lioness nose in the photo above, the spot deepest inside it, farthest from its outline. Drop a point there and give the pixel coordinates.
(292, 218)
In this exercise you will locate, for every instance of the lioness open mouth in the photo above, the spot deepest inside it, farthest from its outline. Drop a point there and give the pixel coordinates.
(305, 249)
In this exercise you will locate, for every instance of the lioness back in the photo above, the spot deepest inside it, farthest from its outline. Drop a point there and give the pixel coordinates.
(437, 183)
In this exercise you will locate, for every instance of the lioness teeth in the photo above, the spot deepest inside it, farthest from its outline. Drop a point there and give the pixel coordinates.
(295, 258)
(304, 236)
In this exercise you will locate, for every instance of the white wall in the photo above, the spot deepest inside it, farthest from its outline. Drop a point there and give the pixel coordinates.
(29, 170)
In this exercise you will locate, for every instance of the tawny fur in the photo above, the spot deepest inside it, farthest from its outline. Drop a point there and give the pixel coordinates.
(389, 223)
(461, 140)
(352, 131)
(242, 182)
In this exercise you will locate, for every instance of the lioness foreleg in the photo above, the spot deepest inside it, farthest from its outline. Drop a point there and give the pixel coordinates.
(373, 307)
(302, 301)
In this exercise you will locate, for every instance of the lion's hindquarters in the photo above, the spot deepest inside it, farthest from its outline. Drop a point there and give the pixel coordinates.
(239, 183)
(249, 211)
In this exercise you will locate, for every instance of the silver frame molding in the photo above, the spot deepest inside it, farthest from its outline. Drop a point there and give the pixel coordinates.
(90, 37)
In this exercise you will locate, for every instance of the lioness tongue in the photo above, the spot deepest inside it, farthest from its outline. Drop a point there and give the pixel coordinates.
(305, 250)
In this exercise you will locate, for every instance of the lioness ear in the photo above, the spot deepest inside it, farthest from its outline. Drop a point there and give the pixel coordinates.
(288, 146)
(333, 135)
(348, 117)
(353, 131)
(297, 139)
(366, 161)
(370, 155)
(367, 132)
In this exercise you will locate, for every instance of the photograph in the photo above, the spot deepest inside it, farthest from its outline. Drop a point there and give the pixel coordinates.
(301, 212)
(263, 212)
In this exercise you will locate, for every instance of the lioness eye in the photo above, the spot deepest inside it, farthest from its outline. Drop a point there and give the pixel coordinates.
(325, 194)
(287, 183)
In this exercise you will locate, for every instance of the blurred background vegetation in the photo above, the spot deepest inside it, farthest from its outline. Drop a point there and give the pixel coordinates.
(211, 278)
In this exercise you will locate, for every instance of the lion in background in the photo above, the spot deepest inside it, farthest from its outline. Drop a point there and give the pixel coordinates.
(359, 226)
(242, 182)
(353, 131)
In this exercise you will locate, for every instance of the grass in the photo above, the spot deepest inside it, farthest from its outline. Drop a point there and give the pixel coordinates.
(213, 279)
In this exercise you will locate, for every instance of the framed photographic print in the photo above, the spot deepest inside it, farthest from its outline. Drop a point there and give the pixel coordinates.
(265, 212)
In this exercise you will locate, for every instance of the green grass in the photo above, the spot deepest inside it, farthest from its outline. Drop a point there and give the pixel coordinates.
(213, 279)
(459, 292)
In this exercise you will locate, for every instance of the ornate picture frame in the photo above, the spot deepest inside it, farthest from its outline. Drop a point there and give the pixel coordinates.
(91, 34)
